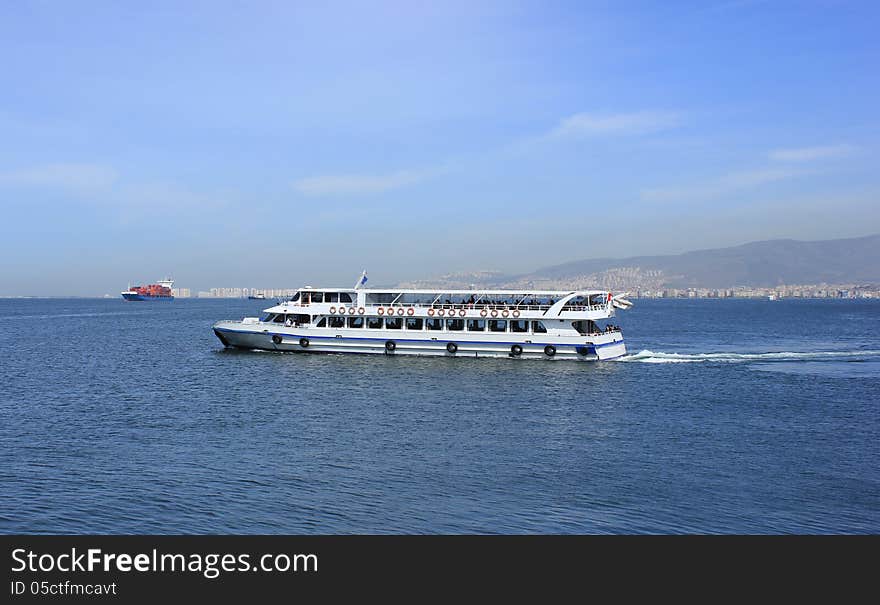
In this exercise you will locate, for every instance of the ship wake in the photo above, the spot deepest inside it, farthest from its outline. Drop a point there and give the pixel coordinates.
(646, 356)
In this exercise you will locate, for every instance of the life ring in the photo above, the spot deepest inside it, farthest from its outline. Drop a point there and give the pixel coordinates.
(583, 350)
(361, 310)
(381, 311)
(516, 350)
(484, 313)
(462, 313)
(494, 312)
(505, 313)
(304, 342)
(441, 312)
(352, 311)
(390, 311)
(549, 350)
(452, 347)
(276, 339)
(515, 313)
(401, 311)
(341, 310)
(390, 345)
(332, 309)
(431, 312)
(410, 311)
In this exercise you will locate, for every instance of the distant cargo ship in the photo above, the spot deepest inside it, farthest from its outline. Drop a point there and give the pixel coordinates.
(257, 296)
(157, 291)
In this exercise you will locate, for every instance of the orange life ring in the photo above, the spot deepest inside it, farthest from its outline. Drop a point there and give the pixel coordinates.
(484, 313)
(494, 312)
(361, 311)
(341, 310)
(441, 312)
(515, 313)
(431, 312)
(332, 310)
(390, 311)
(505, 313)
(401, 311)
(410, 311)
(462, 313)
(381, 311)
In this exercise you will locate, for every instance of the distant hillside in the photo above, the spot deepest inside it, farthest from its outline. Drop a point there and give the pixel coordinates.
(757, 264)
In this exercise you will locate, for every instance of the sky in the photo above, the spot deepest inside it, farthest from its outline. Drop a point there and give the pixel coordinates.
(275, 144)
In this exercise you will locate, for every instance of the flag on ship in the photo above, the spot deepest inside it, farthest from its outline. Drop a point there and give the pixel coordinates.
(362, 280)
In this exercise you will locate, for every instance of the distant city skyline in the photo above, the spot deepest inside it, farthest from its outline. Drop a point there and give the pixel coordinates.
(285, 143)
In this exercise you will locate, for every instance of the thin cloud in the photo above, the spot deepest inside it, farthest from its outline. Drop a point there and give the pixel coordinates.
(809, 154)
(582, 125)
(356, 184)
(725, 185)
(77, 178)
(101, 186)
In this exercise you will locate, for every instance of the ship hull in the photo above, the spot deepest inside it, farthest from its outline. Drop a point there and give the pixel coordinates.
(238, 335)
(141, 297)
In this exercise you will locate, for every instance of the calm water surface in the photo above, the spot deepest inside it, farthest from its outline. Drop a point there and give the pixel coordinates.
(727, 416)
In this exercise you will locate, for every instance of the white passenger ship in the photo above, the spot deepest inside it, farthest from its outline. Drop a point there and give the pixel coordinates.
(458, 323)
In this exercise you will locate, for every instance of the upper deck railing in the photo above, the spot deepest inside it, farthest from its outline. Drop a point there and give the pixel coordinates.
(490, 306)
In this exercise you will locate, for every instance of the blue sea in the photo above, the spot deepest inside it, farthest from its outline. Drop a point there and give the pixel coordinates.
(727, 416)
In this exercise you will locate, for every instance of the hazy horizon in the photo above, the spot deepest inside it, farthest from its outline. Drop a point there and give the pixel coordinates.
(273, 145)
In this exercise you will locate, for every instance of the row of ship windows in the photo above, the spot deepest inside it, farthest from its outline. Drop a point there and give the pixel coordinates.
(322, 297)
(418, 323)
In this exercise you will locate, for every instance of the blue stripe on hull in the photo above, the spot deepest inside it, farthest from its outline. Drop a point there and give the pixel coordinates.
(435, 341)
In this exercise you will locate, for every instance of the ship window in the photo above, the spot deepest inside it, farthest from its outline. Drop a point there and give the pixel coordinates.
(268, 317)
(538, 327)
(393, 323)
(295, 297)
(434, 323)
(322, 323)
(317, 297)
(374, 323)
(519, 325)
(344, 297)
(476, 325)
(498, 325)
(413, 323)
(336, 322)
(355, 322)
(279, 319)
(455, 325)
(332, 297)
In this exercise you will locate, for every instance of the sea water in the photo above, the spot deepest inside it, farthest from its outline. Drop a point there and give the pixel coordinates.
(728, 416)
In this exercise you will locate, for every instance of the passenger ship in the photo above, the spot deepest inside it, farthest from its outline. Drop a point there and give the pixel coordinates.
(454, 323)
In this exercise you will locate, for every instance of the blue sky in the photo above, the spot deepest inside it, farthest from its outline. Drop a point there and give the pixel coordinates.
(276, 144)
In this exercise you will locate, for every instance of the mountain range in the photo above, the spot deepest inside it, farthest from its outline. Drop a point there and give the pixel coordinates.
(756, 264)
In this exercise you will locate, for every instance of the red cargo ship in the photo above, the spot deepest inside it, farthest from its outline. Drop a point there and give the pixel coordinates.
(157, 291)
